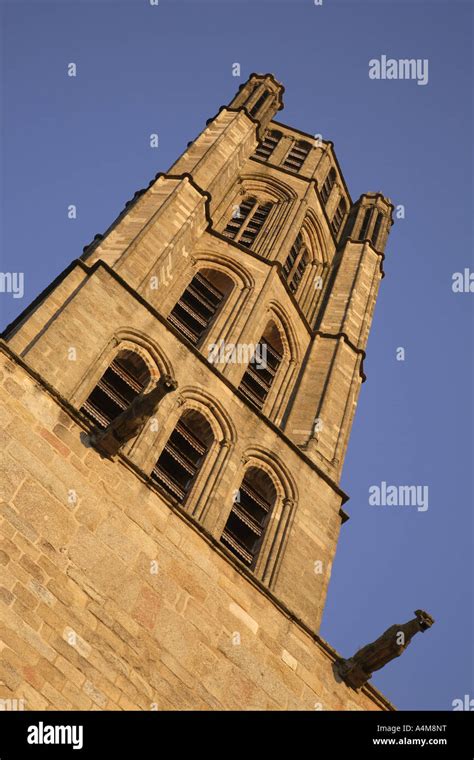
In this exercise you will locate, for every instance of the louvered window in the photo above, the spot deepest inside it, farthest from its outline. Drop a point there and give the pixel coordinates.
(124, 379)
(365, 224)
(259, 103)
(247, 222)
(299, 271)
(376, 231)
(266, 147)
(295, 264)
(245, 528)
(328, 185)
(183, 455)
(338, 216)
(297, 155)
(196, 308)
(260, 373)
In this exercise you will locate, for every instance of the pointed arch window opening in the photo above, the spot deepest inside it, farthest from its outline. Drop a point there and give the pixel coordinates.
(365, 224)
(260, 375)
(296, 263)
(296, 156)
(376, 231)
(338, 216)
(183, 455)
(328, 185)
(199, 305)
(124, 379)
(245, 225)
(249, 517)
(259, 103)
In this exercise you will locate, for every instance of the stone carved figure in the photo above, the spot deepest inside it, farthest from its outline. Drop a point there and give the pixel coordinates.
(131, 421)
(357, 670)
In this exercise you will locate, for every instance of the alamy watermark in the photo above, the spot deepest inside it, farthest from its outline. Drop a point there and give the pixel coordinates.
(48, 734)
(463, 282)
(463, 704)
(11, 705)
(12, 282)
(238, 353)
(402, 68)
(399, 496)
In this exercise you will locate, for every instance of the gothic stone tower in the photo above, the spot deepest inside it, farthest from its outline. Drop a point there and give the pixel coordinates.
(188, 569)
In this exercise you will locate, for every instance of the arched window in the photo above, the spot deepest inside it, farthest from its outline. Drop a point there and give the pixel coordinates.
(259, 103)
(376, 231)
(245, 528)
(296, 156)
(124, 379)
(338, 216)
(262, 368)
(247, 221)
(183, 455)
(296, 263)
(328, 185)
(198, 306)
(365, 224)
(266, 147)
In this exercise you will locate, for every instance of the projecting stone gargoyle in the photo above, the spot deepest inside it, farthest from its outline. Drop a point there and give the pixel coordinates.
(130, 422)
(357, 670)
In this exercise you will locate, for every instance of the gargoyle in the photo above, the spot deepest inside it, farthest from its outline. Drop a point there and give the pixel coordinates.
(130, 422)
(357, 670)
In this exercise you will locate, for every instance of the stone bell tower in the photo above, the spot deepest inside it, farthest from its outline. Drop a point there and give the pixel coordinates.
(179, 406)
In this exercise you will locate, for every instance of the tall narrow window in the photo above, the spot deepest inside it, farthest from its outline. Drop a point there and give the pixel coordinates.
(296, 156)
(259, 103)
(261, 370)
(338, 216)
(124, 379)
(376, 231)
(328, 185)
(252, 92)
(296, 263)
(247, 222)
(199, 304)
(365, 224)
(266, 147)
(183, 455)
(245, 528)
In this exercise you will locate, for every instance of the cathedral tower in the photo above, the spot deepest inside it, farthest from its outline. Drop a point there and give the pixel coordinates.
(187, 565)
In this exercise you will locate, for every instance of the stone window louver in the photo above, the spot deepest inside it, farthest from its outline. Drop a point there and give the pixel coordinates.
(247, 222)
(183, 455)
(328, 185)
(338, 216)
(262, 369)
(267, 146)
(296, 263)
(123, 380)
(248, 519)
(296, 156)
(196, 308)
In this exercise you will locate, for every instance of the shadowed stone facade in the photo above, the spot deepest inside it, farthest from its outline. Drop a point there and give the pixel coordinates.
(122, 586)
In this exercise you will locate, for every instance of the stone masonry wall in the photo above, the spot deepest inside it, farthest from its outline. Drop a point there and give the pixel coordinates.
(111, 599)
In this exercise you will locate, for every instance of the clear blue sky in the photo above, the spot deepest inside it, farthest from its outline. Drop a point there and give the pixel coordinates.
(166, 69)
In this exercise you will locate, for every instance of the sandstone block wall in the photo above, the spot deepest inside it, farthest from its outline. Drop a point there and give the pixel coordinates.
(112, 599)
